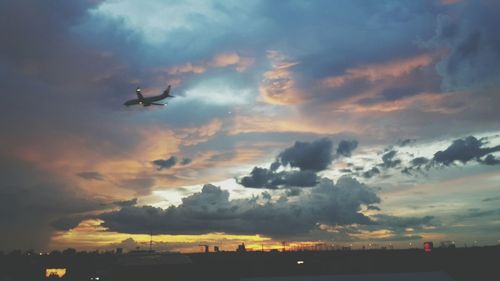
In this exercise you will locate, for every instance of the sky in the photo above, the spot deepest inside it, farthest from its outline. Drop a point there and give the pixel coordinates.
(309, 122)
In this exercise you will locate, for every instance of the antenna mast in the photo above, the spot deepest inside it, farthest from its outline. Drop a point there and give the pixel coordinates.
(151, 242)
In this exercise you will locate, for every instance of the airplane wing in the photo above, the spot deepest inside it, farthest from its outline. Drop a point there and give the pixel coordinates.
(132, 102)
(157, 103)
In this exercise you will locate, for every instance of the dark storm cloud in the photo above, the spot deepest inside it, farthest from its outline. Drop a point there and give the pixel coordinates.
(490, 160)
(260, 178)
(389, 161)
(92, 175)
(416, 164)
(346, 147)
(266, 178)
(47, 24)
(301, 178)
(67, 223)
(461, 150)
(45, 61)
(315, 156)
(473, 60)
(308, 157)
(165, 164)
(211, 211)
(464, 150)
(30, 205)
(47, 57)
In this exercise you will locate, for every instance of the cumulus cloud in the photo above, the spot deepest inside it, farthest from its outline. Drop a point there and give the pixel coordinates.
(419, 161)
(490, 160)
(461, 150)
(266, 178)
(464, 150)
(260, 177)
(308, 157)
(315, 156)
(211, 210)
(416, 164)
(388, 160)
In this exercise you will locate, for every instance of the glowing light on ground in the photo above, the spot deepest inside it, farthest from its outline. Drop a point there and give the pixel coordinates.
(57, 272)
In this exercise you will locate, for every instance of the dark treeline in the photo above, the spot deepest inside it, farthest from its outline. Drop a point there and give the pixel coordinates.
(475, 263)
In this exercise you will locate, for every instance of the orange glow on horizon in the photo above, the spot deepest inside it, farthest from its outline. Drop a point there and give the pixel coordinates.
(90, 235)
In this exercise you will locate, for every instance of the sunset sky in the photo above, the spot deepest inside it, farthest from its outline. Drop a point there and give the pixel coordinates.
(338, 122)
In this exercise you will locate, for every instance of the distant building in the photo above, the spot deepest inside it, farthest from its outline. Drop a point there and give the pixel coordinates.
(447, 244)
(241, 248)
(152, 259)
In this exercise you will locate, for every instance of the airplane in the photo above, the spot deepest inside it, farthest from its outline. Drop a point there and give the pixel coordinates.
(149, 100)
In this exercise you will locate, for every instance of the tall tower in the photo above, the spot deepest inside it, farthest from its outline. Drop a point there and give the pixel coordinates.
(151, 242)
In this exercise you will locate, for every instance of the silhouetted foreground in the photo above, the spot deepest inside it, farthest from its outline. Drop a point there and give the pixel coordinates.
(478, 263)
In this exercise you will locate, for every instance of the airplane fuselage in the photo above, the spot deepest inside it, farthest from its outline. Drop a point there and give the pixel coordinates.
(147, 101)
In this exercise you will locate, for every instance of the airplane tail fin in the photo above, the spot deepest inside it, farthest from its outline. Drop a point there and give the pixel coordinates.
(166, 93)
